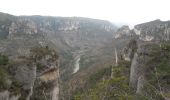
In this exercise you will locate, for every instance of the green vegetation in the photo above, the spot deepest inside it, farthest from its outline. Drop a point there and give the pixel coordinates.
(7, 80)
(9, 69)
(102, 87)
(159, 79)
(67, 60)
(86, 61)
(3, 60)
(157, 72)
(15, 87)
(39, 66)
(67, 56)
(4, 76)
(104, 73)
(40, 53)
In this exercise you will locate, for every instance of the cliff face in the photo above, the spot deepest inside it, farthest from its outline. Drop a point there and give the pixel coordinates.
(154, 30)
(70, 32)
(31, 78)
(139, 65)
(149, 68)
(67, 35)
(63, 33)
(129, 50)
(143, 62)
(124, 31)
(148, 57)
(84, 46)
(47, 82)
(71, 37)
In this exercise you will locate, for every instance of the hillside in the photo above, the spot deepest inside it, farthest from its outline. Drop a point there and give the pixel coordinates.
(74, 58)
(71, 37)
(141, 71)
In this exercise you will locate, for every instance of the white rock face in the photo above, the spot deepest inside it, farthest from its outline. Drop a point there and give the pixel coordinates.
(137, 31)
(167, 34)
(126, 58)
(55, 93)
(134, 71)
(77, 65)
(107, 28)
(143, 38)
(123, 31)
(69, 26)
(117, 36)
(147, 38)
(22, 26)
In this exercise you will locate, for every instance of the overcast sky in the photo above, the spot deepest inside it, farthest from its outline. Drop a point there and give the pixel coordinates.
(124, 11)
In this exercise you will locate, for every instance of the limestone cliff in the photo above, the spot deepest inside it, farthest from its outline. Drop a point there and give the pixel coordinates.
(129, 50)
(149, 66)
(31, 78)
(67, 35)
(154, 30)
(139, 65)
(124, 31)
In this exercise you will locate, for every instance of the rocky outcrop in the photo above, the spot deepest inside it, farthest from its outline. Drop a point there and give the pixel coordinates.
(139, 66)
(140, 84)
(123, 32)
(155, 30)
(129, 51)
(63, 34)
(33, 77)
(22, 25)
(22, 75)
(47, 79)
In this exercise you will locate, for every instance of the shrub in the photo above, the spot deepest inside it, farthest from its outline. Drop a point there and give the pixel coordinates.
(3, 60)
(4, 77)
